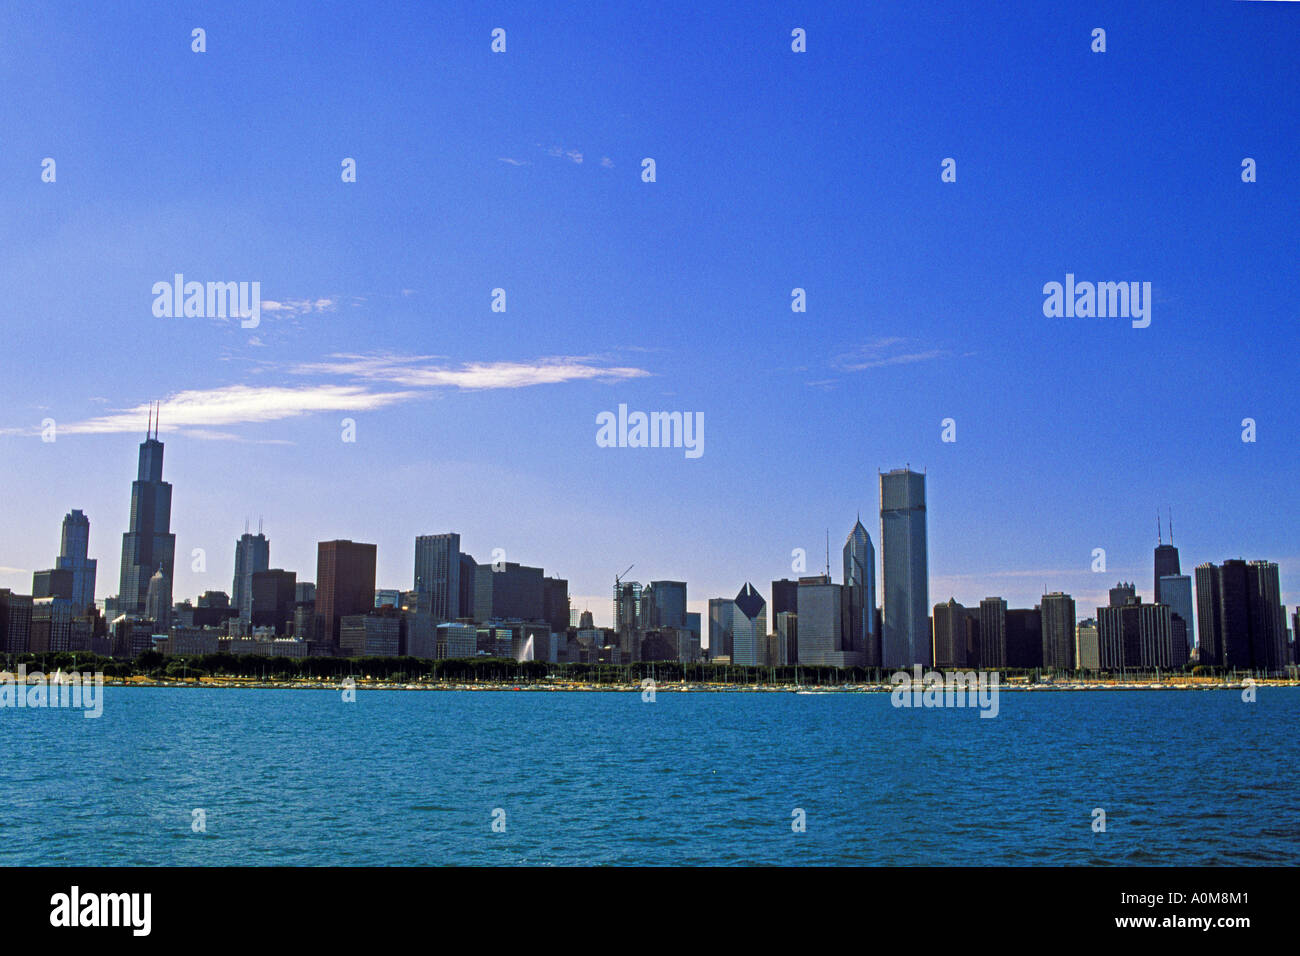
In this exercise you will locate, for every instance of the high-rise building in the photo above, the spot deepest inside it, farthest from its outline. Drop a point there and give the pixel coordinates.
(345, 584)
(1086, 648)
(1239, 613)
(437, 577)
(949, 635)
(1122, 594)
(274, 593)
(749, 628)
(787, 634)
(15, 622)
(993, 633)
(904, 578)
(56, 582)
(73, 548)
(1024, 638)
(509, 591)
(665, 603)
(1176, 591)
(158, 600)
(785, 597)
(555, 604)
(860, 588)
(722, 615)
(252, 554)
(1135, 635)
(1057, 613)
(824, 631)
(148, 544)
(1166, 560)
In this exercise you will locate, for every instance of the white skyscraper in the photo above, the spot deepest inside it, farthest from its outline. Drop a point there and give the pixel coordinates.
(904, 570)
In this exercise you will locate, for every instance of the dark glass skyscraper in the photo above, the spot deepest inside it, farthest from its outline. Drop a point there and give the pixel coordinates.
(149, 544)
(1166, 559)
(860, 588)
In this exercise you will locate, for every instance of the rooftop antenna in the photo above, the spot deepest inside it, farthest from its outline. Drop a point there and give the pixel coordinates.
(245, 526)
(1171, 524)
(828, 552)
(1159, 540)
(259, 524)
(156, 415)
(149, 427)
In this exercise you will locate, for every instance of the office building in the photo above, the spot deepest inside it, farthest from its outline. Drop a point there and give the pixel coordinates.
(905, 639)
(1176, 591)
(1087, 652)
(74, 546)
(993, 633)
(15, 622)
(860, 593)
(148, 544)
(749, 628)
(1135, 636)
(950, 635)
(273, 592)
(1057, 615)
(437, 576)
(345, 584)
(252, 554)
(722, 615)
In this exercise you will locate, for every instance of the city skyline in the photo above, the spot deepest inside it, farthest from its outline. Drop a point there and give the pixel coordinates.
(439, 589)
(924, 298)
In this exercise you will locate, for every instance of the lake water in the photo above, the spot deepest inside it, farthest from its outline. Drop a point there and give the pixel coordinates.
(299, 777)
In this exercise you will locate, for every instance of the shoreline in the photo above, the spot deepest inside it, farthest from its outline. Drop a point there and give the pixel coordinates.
(224, 683)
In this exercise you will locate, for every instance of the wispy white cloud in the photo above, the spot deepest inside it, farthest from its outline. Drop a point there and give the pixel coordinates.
(574, 155)
(606, 162)
(419, 371)
(238, 405)
(884, 352)
(514, 162)
(299, 306)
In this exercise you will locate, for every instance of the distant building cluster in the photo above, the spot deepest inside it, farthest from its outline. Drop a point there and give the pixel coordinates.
(458, 608)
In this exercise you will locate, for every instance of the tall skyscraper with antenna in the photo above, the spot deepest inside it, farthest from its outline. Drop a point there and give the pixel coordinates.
(252, 554)
(148, 545)
(1166, 557)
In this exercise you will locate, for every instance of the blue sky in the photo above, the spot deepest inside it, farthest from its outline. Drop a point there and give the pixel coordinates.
(775, 170)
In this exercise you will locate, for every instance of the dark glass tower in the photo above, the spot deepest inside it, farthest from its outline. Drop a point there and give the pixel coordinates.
(149, 544)
(1166, 557)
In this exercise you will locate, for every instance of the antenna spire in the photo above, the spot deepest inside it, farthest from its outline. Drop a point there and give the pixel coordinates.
(156, 415)
(149, 427)
(1171, 524)
(1159, 539)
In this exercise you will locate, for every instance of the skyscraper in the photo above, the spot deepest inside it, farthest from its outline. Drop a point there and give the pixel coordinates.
(993, 633)
(158, 600)
(722, 614)
(904, 577)
(1166, 560)
(665, 603)
(437, 577)
(749, 628)
(148, 545)
(1239, 614)
(860, 583)
(949, 635)
(345, 584)
(785, 597)
(1057, 611)
(1176, 591)
(252, 554)
(73, 549)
